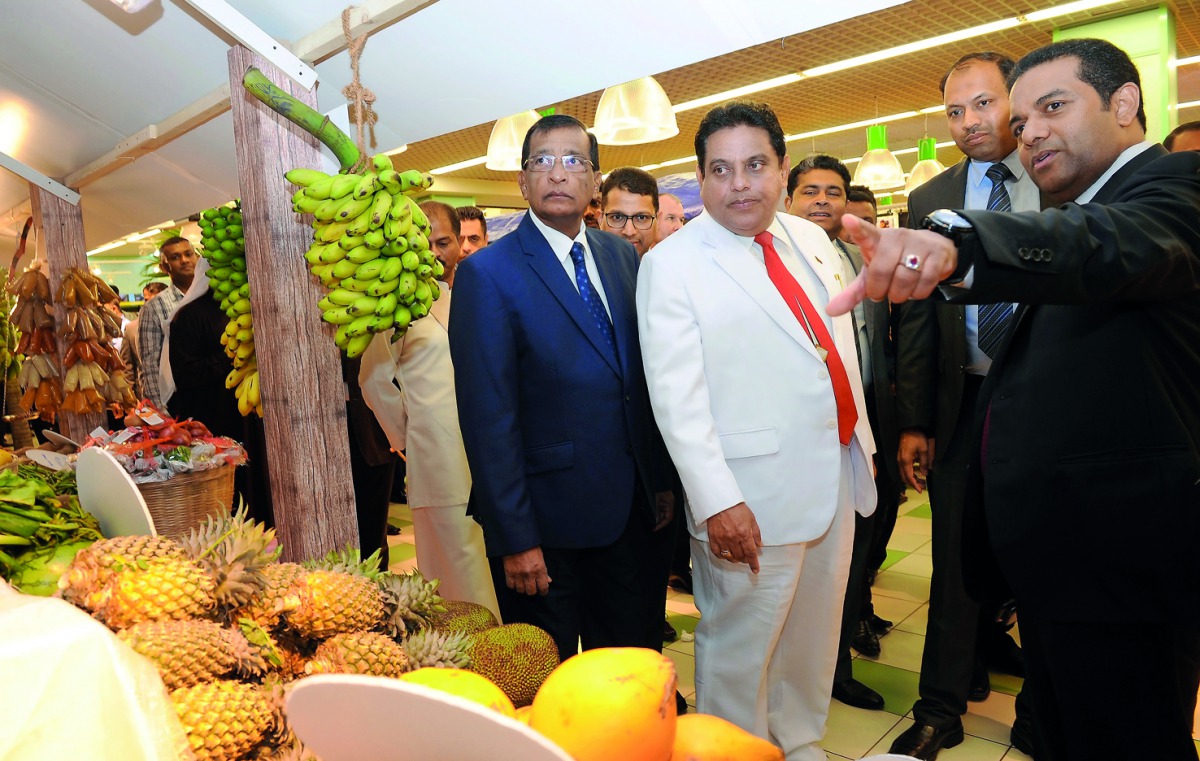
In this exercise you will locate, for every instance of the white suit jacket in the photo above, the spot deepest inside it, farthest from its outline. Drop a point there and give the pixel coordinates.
(743, 401)
(421, 416)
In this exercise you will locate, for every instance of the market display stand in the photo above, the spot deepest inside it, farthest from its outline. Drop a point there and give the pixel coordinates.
(61, 224)
(303, 397)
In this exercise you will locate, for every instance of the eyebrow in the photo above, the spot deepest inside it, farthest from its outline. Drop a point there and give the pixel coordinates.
(1056, 93)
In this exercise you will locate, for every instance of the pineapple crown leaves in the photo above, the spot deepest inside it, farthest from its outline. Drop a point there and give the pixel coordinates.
(432, 648)
(233, 549)
(260, 641)
(409, 601)
(348, 561)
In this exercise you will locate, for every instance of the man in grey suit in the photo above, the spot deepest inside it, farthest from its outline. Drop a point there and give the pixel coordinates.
(943, 352)
(817, 190)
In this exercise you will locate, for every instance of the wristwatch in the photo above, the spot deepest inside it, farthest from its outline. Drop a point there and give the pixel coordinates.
(949, 224)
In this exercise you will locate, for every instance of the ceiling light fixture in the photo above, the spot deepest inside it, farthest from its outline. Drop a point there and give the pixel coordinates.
(879, 168)
(396, 151)
(504, 145)
(927, 166)
(634, 113)
(131, 6)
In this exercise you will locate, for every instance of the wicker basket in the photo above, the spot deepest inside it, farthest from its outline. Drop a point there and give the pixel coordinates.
(181, 503)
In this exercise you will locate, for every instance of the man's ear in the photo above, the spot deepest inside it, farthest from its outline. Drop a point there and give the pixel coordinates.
(1125, 102)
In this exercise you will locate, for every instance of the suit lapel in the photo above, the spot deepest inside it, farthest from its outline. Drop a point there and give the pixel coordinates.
(550, 270)
(749, 273)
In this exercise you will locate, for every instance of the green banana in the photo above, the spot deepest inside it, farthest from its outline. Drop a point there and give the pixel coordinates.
(390, 179)
(310, 120)
(363, 305)
(408, 284)
(337, 316)
(320, 189)
(396, 247)
(328, 209)
(370, 270)
(422, 292)
(439, 269)
(343, 297)
(361, 325)
(387, 304)
(348, 242)
(358, 344)
(351, 207)
(403, 319)
(391, 270)
(381, 205)
(362, 255)
(303, 176)
(374, 239)
(367, 185)
(361, 286)
(409, 260)
(344, 269)
(383, 287)
(381, 162)
(344, 185)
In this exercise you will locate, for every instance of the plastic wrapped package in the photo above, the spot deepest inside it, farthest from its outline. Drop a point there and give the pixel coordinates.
(72, 690)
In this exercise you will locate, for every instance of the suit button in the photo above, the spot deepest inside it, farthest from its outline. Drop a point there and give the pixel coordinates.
(628, 398)
(1023, 253)
(831, 424)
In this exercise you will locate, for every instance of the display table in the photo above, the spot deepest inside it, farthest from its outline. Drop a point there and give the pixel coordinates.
(74, 691)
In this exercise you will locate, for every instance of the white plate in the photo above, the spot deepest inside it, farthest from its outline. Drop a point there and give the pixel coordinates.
(109, 493)
(59, 439)
(344, 717)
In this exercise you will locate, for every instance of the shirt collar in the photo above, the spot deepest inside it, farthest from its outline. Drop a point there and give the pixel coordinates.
(1126, 156)
(977, 170)
(559, 243)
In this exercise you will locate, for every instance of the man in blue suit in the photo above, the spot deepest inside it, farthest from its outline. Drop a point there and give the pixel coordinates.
(568, 469)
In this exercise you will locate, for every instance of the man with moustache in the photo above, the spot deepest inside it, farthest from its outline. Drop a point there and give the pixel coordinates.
(1089, 436)
(569, 474)
(943, 352)
(817, 191)
(177, 259)
(755, 392)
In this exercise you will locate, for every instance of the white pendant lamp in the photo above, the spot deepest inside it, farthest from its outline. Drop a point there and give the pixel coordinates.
(634, 113)
(927, 166)
(131, 6)
(504, 146)
(878, 169)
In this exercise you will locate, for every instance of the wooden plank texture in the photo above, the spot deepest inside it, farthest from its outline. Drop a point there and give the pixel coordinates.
(302, 391)
(61, 224)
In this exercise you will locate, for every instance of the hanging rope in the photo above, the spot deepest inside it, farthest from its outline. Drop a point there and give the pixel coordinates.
(362, 98)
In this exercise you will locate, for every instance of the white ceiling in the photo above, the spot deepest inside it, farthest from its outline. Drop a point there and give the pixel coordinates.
(89, 77)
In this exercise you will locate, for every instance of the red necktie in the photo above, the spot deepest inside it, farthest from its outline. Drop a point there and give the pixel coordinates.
(810, 320)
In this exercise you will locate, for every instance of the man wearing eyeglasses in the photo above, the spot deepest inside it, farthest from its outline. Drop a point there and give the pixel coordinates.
(629, 198)
(569, 472)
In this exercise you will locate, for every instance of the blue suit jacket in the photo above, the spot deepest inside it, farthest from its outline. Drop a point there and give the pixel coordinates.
(556, 429)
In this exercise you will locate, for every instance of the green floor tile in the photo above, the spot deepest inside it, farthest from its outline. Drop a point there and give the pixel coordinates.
(921, 511)
(398, 522)
(1006, 683)
(893, 557)
(683, 623)
(398, 553)
(897, 686)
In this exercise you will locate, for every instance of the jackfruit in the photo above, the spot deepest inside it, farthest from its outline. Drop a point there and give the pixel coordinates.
(517, 657)
(463, 616)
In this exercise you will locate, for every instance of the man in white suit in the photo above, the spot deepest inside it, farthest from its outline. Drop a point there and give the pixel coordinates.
(768, 429)
(420, 417)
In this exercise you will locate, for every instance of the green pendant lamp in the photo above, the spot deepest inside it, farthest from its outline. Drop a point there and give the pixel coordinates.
(878, 169)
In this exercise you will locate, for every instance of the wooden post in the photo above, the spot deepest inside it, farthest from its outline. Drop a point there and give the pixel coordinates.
(303, 397)
(62, 229)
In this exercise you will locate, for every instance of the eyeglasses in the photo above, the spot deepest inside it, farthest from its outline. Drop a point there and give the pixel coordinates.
(544, 162)
(617, 220)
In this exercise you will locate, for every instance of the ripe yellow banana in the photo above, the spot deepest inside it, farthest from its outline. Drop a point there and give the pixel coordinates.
(362, 255)
(351, 207)
(382, 287)
(371, 270)
(345, 269)
(380, 206)
(363, 305)
(344, 185)
(304, 177)
(367, 185)
(337, 316)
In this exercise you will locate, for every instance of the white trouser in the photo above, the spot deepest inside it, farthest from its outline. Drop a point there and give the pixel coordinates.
(767, 644)
(450, 548)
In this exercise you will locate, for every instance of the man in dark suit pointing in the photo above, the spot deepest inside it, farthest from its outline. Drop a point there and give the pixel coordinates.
(569, 472)
(1090, 432)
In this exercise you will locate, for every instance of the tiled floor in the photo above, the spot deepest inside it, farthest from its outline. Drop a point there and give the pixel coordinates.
(901, 595)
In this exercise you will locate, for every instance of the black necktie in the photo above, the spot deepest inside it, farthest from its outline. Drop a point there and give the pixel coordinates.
(994, 319)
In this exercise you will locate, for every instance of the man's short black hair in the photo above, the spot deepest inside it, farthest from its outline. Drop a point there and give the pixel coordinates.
(1169, 141)
(861, 193)
(444, 209)
(737, 113)
(559, 121)
(1003, 62)
(172, 241)
(631, 180)
(155, 287)
(1102, 65)
(471, 212)
(819, 161)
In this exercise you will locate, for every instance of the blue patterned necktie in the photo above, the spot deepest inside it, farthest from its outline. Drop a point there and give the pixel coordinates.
(994, 319)
(591, 299)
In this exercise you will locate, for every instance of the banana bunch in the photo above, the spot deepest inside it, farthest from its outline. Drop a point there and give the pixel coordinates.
(93, 376)
(225, 249)
(10, 336)
(33, 316)
(370, 249)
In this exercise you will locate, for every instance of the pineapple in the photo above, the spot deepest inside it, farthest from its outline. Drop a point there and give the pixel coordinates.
(330, 602)
(234, 550)
(429, 647)
(359, 653)
(93, 566)
(224, 720)
(190, 652)
(349, 561)
(162, 589)
(410, 602)
(266, 607)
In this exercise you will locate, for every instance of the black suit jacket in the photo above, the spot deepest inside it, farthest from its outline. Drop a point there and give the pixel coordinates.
(931, 336)
(1094, 411)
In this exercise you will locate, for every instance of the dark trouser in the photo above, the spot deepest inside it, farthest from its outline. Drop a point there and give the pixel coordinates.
(372, 496)
(597, 594)
(1114, 691)
(658, 558)
(949, 654)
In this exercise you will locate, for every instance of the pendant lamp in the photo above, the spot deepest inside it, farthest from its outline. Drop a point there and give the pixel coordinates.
(504, 146)
(131, 6)
(927, 166)
(878, 169)
(634, 113)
